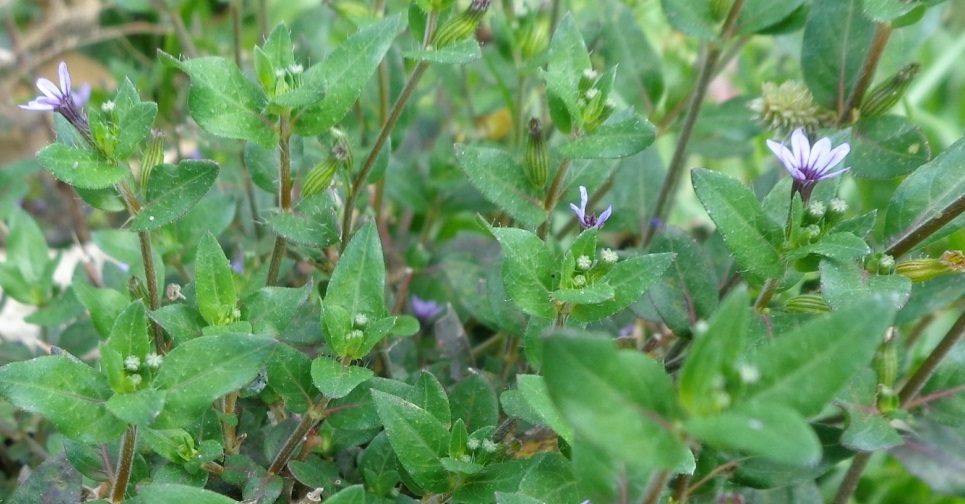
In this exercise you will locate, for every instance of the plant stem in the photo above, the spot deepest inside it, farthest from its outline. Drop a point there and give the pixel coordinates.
(124, 463)
(767, 292)
(311, 417)
(655, 487)
(284, 195)
(913, 386)
(390, 121)
(867, 73)
(147, 256)
(553, 196)
(908, 393)
(231, 444)
(676, 169)
(917, 234)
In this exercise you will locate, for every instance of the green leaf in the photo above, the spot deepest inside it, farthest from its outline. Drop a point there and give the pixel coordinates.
(27, 273)
(868, 431)
(344, 73)
(181, 321)
(884, 11)
(133, 120)
(771, 431)
(419, 440)
(358, 282)
(290, 376)
(757, 15)
(693, 17)
(203, 369)
(623, 42)
(843, 281)
(80, 168)
(839, 246)
(537, 396)
(354, 494)
(224, 102)
(568, 59)
(630, 279)
(335, 380)
(271, 309)
(278, 47)
(805, 368)
(612, 140)
(213, 283)
(501, 180)
(528, 268)
(428, 394)
(166, 493)
(458, 53)
(926, 193)
(176, 445)
(607, 395)
(687, 292)
(129, 335)
(312, 224)
(715, 355)
(473, 401)
(54, 480)
(138, 408)
(172, 191)
(104, 305)
(885, 147)
(591, 294)
(837, 36)
(67, 392)
(748, 233)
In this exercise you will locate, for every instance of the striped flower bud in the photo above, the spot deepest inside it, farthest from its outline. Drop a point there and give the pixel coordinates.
(460, 26)
(885, 95)
(921, 270)
(807, 303)
(153, 156)
(320, 177)
(885, 362)
(537, 155)
(342, 150)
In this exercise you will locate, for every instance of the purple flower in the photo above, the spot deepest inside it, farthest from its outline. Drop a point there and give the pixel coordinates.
(62, 100)
(809, 164)
(589, 220)
(424, 309)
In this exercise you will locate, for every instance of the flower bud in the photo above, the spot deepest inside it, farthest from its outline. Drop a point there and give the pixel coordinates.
(587, 80)
(787, 107)
(815, 212)
(533, 37)
(880, 264)
(807, 303)
(342, 149)
(811, 233)
(319, 178)
(885, 361)
(460, 26)
(537, 155)
(884, 96)
(921, 270)
(153, 156)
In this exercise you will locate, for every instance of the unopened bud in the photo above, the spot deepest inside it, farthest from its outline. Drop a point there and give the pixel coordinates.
(319, 178)
(587, 80)
(884, 96)
(816, 211)
(583, 263)
(153, 156)
(921, 270)
(885, 362)
(807, 303)
(537, 155)
(880, 264)
(460, 26)
(342, 149)
(812, 233)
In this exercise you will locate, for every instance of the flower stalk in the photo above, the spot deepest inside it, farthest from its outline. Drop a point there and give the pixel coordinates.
(125, 462)
(676, 169)
(284, 196)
